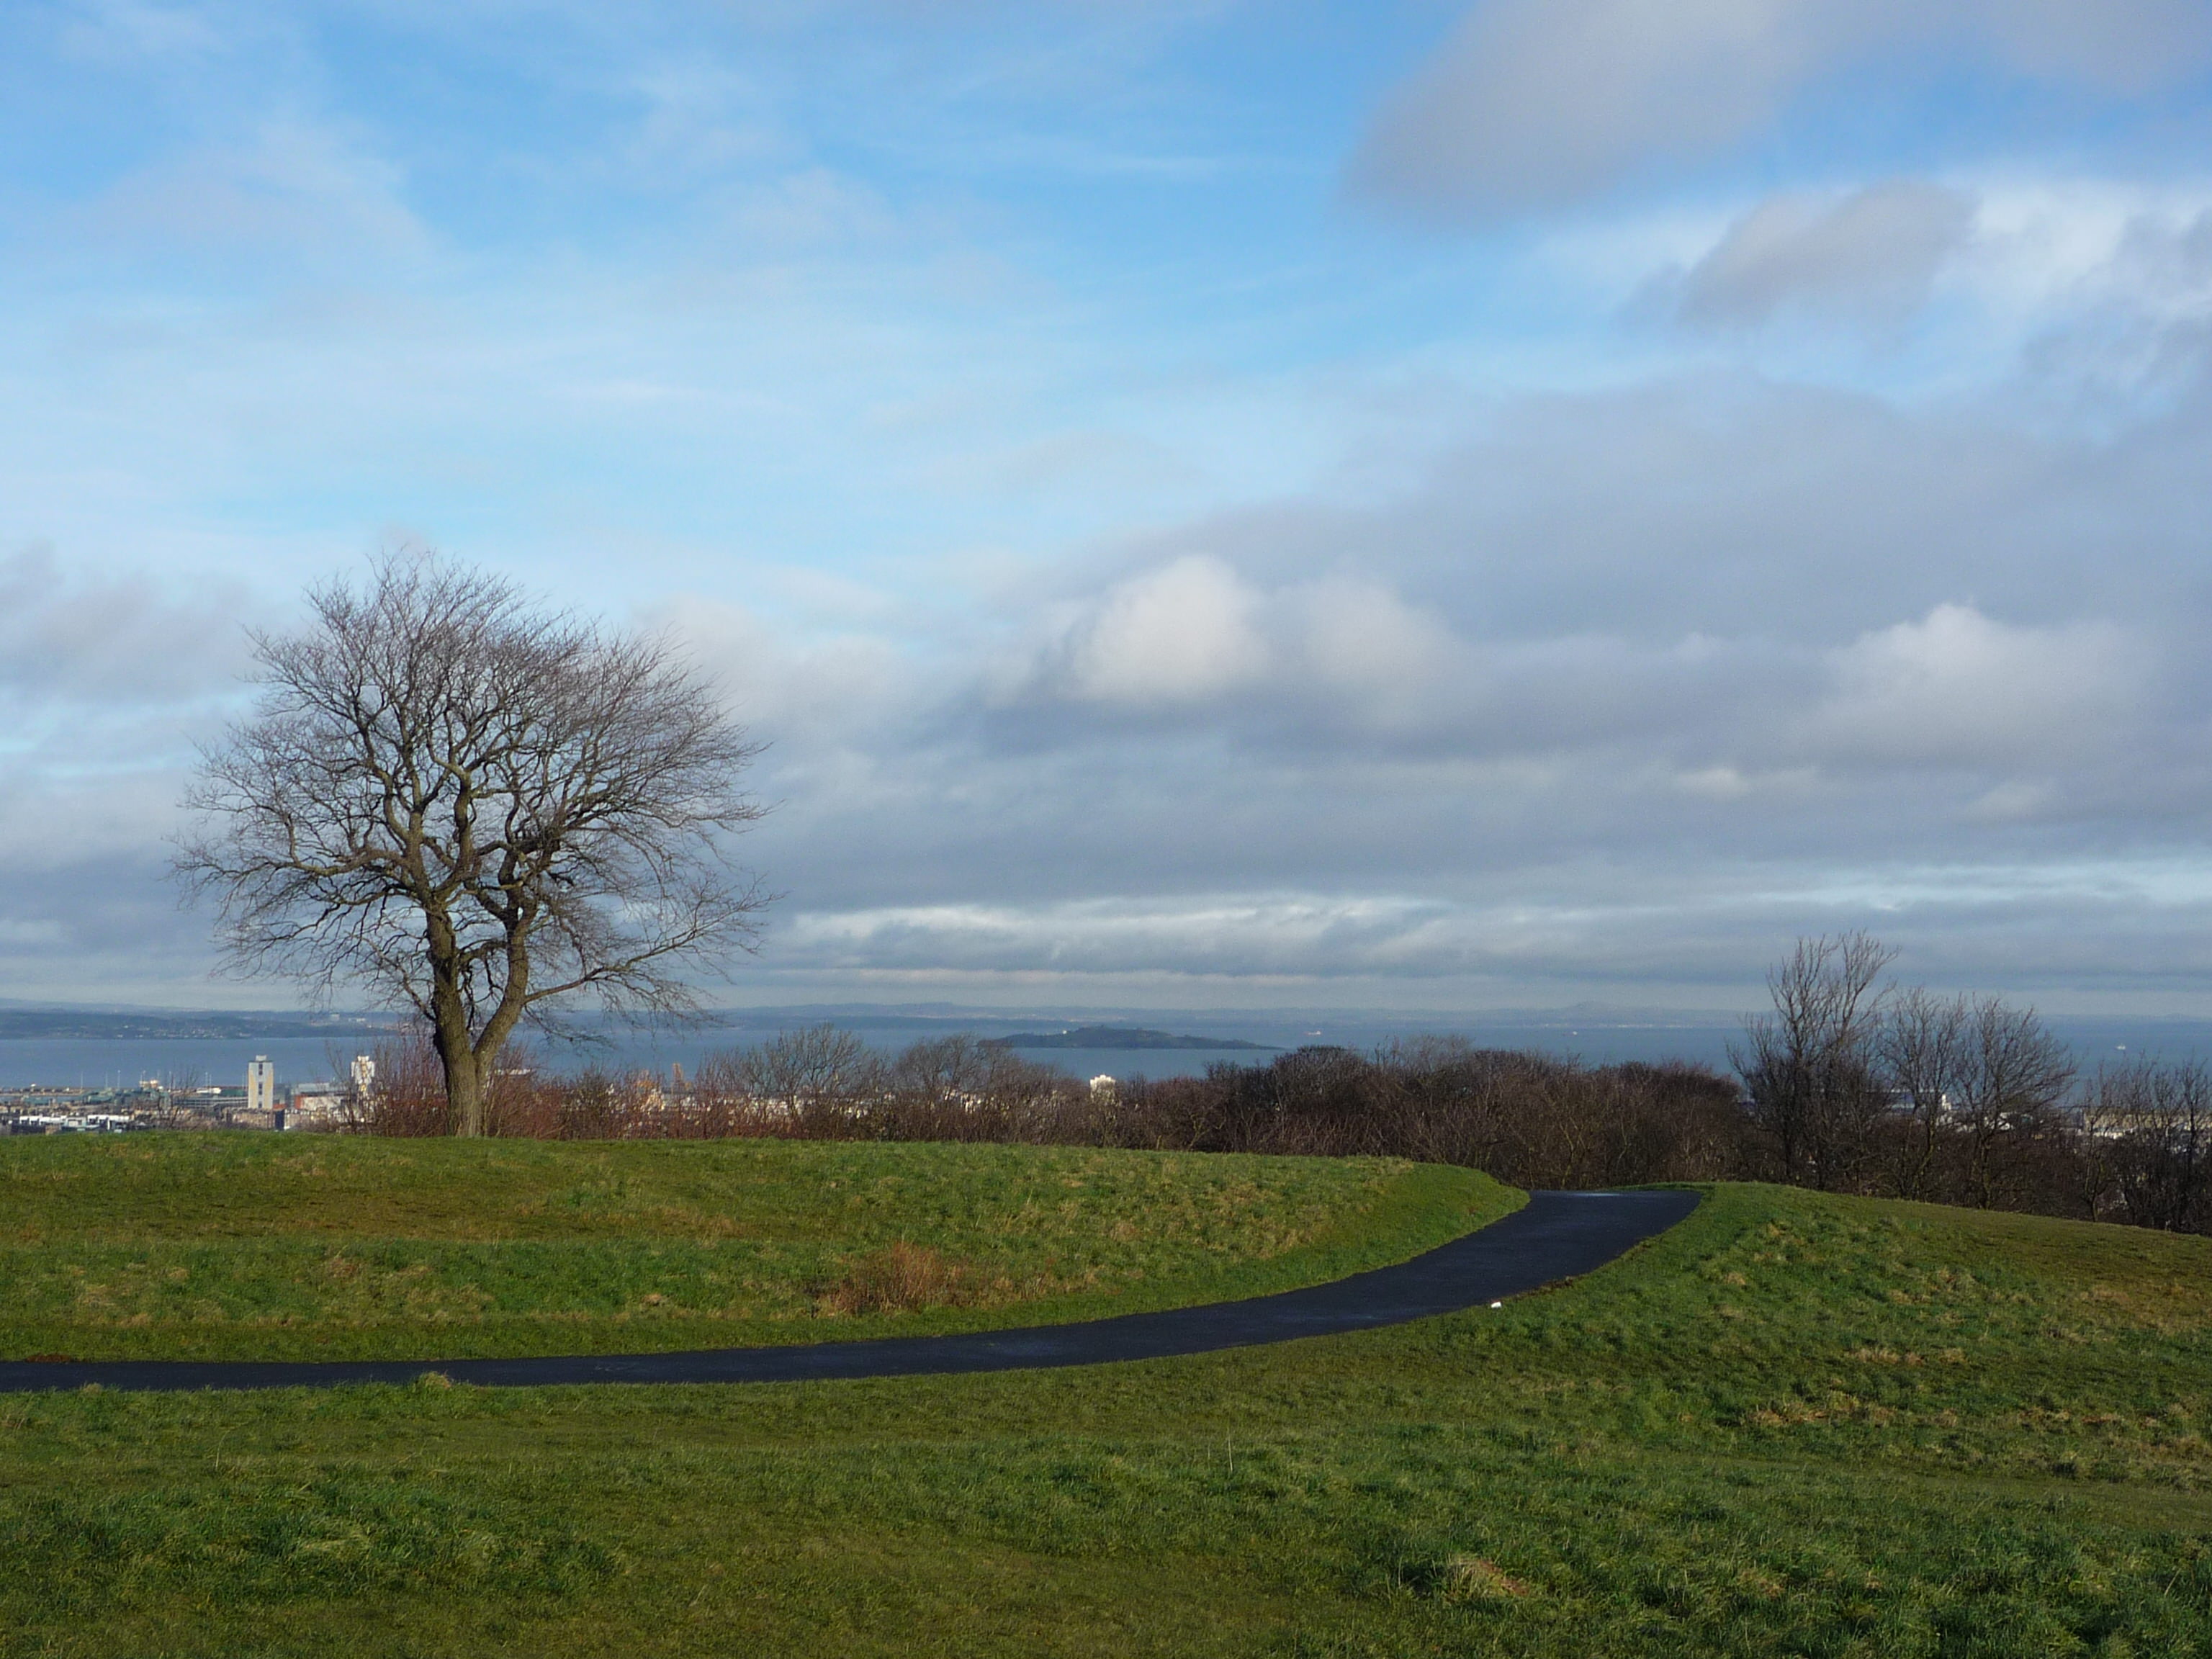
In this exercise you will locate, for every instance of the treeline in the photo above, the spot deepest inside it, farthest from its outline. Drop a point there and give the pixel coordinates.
(1850, 1085)
(1847, 1085)
(1532, 1119)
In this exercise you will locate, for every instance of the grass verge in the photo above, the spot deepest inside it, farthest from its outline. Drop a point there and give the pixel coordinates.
(235, 1246)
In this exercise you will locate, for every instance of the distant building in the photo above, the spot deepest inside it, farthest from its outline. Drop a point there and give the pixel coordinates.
(1901, 1103)
(316, 1106)
(261, 1085)
(364, 1075)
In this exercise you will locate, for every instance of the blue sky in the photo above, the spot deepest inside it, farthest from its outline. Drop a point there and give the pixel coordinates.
(1410, 506)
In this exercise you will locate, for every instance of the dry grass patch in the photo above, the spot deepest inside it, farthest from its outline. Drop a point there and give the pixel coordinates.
(904, 1278)
(1472, 1578)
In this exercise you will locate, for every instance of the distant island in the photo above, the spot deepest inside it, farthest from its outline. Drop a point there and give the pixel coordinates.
(1115, 1036)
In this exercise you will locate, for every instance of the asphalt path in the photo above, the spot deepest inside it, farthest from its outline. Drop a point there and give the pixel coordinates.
(1555, 1236)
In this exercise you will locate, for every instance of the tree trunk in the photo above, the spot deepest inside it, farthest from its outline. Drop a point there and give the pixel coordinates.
(449, 1034)
(464, 1095)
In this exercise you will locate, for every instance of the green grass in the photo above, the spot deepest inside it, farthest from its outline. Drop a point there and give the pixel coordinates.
(239, 1246)
(1793, 1424)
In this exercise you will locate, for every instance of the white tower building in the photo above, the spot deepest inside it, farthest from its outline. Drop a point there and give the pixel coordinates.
(261, 1085)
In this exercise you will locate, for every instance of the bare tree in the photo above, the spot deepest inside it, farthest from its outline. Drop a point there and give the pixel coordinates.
(1925, 1049)
(2018, 1072)
(2108, 1111)
(1808, 1066)
(964, 1088)
(486, 811)
(815, 1077)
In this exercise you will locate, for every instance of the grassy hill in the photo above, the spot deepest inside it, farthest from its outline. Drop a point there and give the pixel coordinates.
(1795, 1425)
(235, 1246)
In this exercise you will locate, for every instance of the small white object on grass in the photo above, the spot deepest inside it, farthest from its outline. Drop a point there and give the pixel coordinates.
(1498, 1304)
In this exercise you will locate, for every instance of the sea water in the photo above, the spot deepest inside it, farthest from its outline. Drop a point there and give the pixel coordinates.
(181, 1062)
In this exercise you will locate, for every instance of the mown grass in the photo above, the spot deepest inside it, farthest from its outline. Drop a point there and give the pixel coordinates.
(1720, 1444)
(234, 1246)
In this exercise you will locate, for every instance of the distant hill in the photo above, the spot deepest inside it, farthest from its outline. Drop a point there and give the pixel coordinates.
(90, 1026)
(1117, 1036)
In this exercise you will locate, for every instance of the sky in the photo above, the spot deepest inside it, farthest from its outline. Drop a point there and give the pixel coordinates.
(1401, 506)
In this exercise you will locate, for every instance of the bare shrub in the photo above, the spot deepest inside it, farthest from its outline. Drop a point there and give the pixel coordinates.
(722, 1103)
(409, 1098)
(2149, 1126)
(1534, 1120)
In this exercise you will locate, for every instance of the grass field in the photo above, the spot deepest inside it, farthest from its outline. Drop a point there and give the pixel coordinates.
(239, 1246)
(1793, 1424)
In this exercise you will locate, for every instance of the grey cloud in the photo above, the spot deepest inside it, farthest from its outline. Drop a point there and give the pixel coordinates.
(1870, 257)
(104, 679)
(1731, 507)
(2117, 46)
(112, 640)
(2168, 261)
(86, 909)
(1562, 917)
(2141, 327)
(1532, 101)
(1529, 103)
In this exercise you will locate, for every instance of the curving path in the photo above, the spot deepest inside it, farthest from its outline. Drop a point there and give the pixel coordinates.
(1555, 1236)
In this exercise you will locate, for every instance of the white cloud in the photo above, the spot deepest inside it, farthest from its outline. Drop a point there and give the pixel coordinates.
(1362, 639)
(812, 208)
(123, 30)
(1959, 688)
(2060, 286)
(1338, 652)
(1185, 632)
(790, 685)
(701, 118)
(1292, 934)
(1348, 667)
(305, 188)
